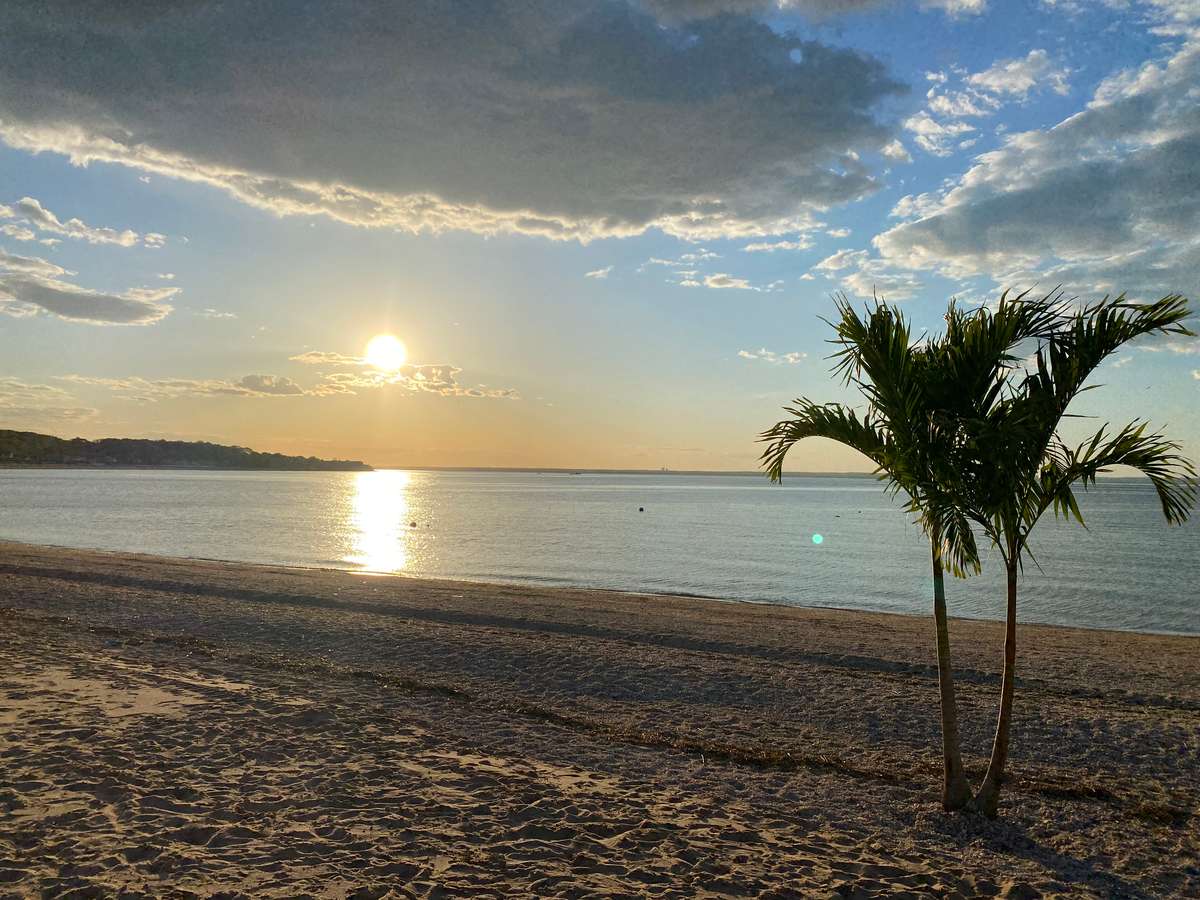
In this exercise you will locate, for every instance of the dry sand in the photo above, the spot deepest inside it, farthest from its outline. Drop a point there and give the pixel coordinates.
(179, 727)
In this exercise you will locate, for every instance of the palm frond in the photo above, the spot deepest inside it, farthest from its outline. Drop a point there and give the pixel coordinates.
(1159, 459)
(831, 420)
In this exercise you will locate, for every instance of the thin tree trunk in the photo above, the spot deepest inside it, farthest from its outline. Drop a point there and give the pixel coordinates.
(956, 793)
(987, 801)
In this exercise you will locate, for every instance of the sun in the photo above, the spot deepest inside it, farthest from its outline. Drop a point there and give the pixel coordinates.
(386, 351)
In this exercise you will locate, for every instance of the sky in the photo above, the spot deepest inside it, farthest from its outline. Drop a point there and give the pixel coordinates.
(606, 232)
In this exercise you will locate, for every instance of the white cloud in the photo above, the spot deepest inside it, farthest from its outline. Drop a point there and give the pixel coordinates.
(917, 206)
(675, 11)
(327, 358)
(1108, 199)
(933, 136)
(32, 211)
(840, 260)
(982, 94)
(875, 278)
(866, 277)
(723, 281)
(433, 379)
(31, 265)
(438, 379)
(771, 356)
(17, 232)
(538, 100)
(838, 232)
(1017, 77)
(897, 151)
(698, 256)
(956, 8)
(599, 273)
(154, 240)
(215, 314)
(961, 103)
(771, 246)
(1196, 374)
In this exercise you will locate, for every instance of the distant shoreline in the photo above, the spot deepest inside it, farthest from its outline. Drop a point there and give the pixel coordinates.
(484, 469)
(168, 468)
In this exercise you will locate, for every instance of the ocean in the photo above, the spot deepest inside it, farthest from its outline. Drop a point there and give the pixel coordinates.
(835, 541)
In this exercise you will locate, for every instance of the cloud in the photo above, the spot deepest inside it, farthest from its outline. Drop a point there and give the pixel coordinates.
(1196, 374)
(1017, 77)
(675, 11)
(722, 281)
(31, 265)
(956, 8)
(771, 356)
(599, 273)
(277, 385)
(137, 306)
(981, 94)
(215, 314)
(867, 277)
(771, 246)
(39, 217)
(17, 232)
(1108, 199)
(1184, 346)
(25, 403)
(151, 390)
(437, 379)
(838, 232)
(167, 276)
(840, 260)
(936, 137)
(520, 117)
(327, 358)
(154, 240)
(875, 278)
(433, 379)
(897, 151)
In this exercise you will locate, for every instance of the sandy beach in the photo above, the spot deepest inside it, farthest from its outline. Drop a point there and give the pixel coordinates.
(179, 728)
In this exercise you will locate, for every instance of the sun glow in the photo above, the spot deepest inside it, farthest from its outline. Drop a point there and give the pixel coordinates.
(381, 521)
(386, 351)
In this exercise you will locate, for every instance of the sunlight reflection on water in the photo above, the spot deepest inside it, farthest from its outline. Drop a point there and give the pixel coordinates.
(380, 517)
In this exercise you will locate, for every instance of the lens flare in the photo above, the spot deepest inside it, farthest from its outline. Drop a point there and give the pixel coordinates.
(818, 538)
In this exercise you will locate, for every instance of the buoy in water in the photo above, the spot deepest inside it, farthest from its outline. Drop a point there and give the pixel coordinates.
(641, 509)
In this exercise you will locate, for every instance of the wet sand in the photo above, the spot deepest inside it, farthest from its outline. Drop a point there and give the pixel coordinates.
(178, 727)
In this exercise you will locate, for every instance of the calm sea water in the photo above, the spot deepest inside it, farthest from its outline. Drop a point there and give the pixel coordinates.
(735, 537)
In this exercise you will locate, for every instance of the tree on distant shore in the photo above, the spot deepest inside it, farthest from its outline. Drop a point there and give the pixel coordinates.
(918, 396)
(1020, 467)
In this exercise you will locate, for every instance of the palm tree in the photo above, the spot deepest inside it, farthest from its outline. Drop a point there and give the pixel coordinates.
(918, 396)
(1019, 467)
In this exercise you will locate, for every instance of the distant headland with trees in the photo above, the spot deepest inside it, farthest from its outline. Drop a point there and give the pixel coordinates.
(28, 448)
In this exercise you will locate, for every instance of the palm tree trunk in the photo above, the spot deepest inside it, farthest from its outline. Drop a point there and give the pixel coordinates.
(956, 793)
(988, 799)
